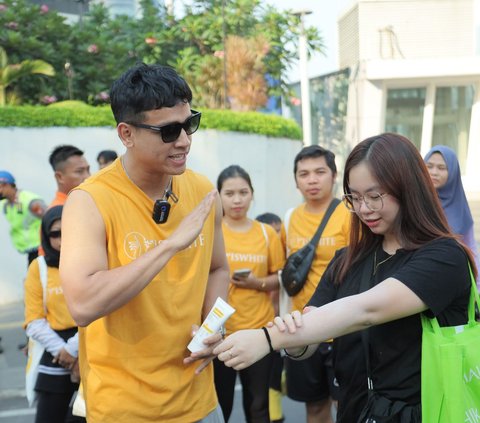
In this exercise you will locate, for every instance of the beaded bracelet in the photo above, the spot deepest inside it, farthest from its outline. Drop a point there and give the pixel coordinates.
(298, 355)
(269, 340)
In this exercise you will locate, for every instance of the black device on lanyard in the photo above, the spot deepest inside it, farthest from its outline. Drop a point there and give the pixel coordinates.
(161, 208)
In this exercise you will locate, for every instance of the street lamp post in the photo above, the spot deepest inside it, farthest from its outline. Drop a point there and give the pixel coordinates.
(304, 81)
(69, 73)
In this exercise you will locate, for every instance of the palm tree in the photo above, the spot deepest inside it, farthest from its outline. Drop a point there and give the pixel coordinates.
(11, 73)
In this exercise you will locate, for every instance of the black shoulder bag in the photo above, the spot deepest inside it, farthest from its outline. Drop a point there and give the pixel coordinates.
(297, 266)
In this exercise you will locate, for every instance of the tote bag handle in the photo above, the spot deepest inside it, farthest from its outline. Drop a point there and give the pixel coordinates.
(474, 299)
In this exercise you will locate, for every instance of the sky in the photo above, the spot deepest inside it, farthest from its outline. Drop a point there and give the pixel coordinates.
(324, 17)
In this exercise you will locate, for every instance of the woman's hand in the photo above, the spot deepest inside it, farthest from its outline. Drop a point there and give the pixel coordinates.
(243, 348)
(291, 321)
(65, 359)
(207, 354)
(248, 282)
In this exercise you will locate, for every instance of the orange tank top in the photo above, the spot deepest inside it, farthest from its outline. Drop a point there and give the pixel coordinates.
(132, 360)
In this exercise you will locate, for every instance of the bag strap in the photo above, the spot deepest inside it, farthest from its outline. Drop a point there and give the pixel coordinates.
(474, 299)
(331, 208)
(365, 285)
(42, 266)
(286, 223)
(314, 241)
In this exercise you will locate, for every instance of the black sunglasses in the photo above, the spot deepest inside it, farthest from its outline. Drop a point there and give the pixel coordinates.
(55, 234)
(171, 132)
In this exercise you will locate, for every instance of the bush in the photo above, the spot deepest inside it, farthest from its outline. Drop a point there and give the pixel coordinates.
(251, 122)
(66, 104)
(66, 115)
(79, 114)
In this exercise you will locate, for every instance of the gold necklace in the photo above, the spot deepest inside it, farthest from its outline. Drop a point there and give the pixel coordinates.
(375, 265)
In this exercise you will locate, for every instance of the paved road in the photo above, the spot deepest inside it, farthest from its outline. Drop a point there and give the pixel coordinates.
(13, 405)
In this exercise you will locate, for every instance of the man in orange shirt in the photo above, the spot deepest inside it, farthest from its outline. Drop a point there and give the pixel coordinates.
(312, 380)
(71, 169)
(143, 259)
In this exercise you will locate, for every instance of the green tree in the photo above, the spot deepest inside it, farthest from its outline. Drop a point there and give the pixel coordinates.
(11, 73)
(89, 55)
(104, 47)
(32, 32)
(208, 23)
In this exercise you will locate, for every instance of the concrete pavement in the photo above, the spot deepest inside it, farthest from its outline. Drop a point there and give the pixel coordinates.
(13, 404)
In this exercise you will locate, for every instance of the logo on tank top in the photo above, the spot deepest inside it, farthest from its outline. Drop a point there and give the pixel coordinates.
(136, 244)
(247, 258)
(299, 241)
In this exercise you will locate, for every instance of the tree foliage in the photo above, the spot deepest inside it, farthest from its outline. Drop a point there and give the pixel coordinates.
(90, 54)
(10, 73)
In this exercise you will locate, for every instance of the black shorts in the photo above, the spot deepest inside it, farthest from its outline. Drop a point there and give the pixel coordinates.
(312, 380)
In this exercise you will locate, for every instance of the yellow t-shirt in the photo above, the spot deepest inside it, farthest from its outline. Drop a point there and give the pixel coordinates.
(261, 251)
(301, 228)
(132, 359)
(57, 316)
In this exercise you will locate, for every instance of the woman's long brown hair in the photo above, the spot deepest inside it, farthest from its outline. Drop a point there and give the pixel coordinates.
(400, 170)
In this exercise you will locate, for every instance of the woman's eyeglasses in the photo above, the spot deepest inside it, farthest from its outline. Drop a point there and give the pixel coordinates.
(373, 201)
(55, 234)
(171, 132)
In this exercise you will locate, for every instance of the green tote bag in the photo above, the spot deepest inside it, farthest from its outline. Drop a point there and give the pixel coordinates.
(451, 369)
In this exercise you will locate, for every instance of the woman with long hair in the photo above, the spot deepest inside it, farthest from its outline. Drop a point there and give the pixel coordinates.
(255, 254)
(402, 261)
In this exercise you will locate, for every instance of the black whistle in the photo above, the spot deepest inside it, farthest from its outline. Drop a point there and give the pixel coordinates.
(161, 209)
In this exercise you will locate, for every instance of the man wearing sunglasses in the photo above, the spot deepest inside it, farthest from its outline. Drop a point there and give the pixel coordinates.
(143, 259)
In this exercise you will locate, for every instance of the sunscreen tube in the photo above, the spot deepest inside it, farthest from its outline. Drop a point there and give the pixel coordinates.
(218, 315)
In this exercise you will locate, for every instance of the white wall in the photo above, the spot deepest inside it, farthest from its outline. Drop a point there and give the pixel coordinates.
(409, 29)
(25, 151)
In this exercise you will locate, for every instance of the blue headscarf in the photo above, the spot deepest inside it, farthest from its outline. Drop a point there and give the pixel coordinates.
(452, 194)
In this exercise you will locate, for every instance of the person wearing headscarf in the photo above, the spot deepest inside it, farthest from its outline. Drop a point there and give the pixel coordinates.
(48, 321)
(442, 164)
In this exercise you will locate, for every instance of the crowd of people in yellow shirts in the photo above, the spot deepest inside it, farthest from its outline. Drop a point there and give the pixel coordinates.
(147, 246)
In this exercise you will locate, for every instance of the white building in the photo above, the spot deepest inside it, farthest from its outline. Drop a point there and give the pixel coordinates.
(405, 66)
(414, 70)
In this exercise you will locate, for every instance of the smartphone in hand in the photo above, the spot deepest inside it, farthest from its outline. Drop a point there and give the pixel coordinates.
(241, 273)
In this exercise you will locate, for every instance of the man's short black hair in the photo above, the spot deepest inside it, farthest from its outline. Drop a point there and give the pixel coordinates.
(268, 218)
(61, 154)
(107, 156)
(313, 151)
(147, 87)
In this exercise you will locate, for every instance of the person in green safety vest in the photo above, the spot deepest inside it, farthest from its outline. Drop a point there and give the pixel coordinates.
(23, 211)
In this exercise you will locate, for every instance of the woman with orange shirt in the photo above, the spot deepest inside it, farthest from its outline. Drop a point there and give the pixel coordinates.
(256, 250)
(48, 321)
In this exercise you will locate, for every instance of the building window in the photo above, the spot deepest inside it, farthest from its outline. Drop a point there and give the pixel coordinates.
(451, 122)
(404, 113)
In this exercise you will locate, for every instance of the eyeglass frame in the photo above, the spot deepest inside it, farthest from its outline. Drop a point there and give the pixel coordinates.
(158, 129)
(361, 198)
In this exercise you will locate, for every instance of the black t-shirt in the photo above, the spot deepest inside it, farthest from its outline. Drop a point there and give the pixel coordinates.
(438, 274)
